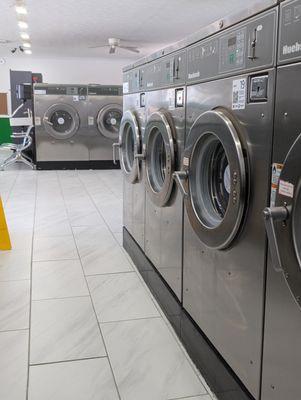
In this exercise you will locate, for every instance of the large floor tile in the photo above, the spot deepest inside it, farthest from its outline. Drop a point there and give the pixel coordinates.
(85, 218)
(118, 297)
(52, 224)
(15, 265)
(76, 380)
(99, 251)
(147, 361)
(14, 305)
(13, 365)
(58, 279)
(64, 329)
(54, 248)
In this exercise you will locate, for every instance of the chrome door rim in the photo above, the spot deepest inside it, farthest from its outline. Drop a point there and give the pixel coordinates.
(159, 127)
(216, 126)
(289, 234)
(101, 122)
(129, 121)
(75, 121)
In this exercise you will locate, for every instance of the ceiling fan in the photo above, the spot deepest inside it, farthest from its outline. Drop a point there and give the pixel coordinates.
(113, 43)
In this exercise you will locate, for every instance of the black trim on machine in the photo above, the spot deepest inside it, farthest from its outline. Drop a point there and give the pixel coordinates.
(92, 164)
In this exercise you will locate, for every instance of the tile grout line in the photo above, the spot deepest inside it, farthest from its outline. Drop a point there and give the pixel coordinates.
(66, 361)
(100, 332)
(30, 289)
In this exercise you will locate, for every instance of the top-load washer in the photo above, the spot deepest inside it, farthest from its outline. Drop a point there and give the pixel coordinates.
(282, 337)
(104, 118)
(130, 145)
(225, 180)
(61, 124)
(164, 144)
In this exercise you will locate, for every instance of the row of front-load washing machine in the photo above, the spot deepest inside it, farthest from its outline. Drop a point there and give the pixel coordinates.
(75, 125)
(210, 137)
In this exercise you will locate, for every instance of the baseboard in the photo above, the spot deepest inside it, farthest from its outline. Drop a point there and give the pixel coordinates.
(92, 164)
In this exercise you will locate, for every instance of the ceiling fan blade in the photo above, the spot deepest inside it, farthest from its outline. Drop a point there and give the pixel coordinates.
(112, 50)
(97, 47)
(130, 48)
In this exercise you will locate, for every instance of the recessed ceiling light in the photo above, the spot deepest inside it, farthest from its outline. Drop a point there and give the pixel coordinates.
(24, 35)
(27, 51)
(21, 10)
(23, 24)
(27, 45)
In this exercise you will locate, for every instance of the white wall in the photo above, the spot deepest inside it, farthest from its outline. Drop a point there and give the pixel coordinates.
(65, 70)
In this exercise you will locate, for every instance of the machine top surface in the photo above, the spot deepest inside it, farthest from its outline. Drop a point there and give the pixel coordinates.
(217, 26)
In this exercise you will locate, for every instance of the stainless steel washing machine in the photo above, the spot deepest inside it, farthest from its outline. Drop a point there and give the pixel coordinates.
(104, 118)
(164, 144)
(282, 337)
(61, 123)
(225, 181)
(130, 145)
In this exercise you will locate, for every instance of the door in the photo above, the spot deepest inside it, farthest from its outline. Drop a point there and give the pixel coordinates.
(130, 146)
(108, 121)
(61, 121)
(215, 178)
(283, 223)
(160, 157)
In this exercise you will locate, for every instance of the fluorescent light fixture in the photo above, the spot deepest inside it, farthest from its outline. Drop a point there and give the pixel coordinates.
(27, 51)
(21, 10)
(27, 45)
(23, 24)
(24, 35)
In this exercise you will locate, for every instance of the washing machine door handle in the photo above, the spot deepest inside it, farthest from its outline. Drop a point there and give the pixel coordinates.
(46, 120)
(272, 215)
(179, 177)
(114, 146)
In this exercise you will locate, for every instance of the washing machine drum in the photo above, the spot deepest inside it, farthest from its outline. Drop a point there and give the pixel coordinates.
(61, 121)
(109, 120)
(160, 157)
(217, 178)
(130, 144)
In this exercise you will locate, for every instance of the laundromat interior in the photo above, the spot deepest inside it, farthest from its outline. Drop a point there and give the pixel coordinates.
(150, 200)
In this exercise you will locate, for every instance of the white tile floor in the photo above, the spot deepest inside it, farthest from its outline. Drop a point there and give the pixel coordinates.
(76, 320)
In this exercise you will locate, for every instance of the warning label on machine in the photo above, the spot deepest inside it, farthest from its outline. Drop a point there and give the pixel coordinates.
(239, 94)
(286, 188)
(276, 171)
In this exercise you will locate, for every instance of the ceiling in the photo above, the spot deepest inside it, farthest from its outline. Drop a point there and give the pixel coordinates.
(66, 28)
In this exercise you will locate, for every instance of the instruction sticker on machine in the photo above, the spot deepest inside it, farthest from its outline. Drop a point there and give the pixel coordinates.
(276, 171)
(239, 94)
(286, 189)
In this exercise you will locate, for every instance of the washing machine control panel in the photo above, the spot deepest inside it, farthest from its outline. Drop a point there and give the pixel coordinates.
(248, 45)
(290, 28)
(232, 51)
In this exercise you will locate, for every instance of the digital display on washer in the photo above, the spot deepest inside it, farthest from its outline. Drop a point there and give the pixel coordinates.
(232, 41)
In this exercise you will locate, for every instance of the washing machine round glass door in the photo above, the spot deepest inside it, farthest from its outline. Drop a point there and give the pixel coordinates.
(288, 231)
(61, 121)
(109, 120)
(217, 178)
(160, 157)
(129, 146)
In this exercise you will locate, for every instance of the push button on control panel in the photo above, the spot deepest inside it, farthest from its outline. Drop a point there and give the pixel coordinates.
(259, 88)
